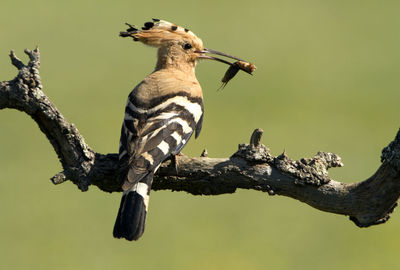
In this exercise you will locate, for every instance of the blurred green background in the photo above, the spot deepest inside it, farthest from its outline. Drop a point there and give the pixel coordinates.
(327, 79)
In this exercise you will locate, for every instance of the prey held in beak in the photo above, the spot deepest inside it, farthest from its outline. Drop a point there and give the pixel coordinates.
(233, 69)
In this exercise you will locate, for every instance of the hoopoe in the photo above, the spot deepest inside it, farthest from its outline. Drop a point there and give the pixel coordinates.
(161, 114)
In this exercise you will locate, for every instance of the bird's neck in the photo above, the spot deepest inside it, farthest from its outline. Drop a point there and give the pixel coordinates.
(170, 61)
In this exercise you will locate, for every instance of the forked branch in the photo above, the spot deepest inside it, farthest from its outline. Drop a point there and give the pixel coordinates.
(252, 167)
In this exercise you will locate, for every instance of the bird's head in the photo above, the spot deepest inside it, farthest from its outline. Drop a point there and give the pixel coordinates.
(177, 46)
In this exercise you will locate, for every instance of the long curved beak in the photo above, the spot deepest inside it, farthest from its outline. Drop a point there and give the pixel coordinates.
(222, 54)
(204, 51)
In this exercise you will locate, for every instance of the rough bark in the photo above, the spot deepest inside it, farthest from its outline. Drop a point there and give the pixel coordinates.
(252, 167)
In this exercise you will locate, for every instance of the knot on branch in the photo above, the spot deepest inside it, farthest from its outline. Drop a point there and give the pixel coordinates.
(204, 153)
(365, 220)
(391, 154)
(255, 152)
(326, 159)
(22, 92)
(29, 73)
(309, 171)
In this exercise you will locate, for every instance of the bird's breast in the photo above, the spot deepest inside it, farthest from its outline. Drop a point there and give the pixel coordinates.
(164, 85)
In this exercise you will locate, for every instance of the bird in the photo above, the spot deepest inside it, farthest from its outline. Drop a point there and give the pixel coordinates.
(161, 114)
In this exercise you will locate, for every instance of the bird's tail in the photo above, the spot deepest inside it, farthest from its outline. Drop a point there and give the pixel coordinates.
(132, 212)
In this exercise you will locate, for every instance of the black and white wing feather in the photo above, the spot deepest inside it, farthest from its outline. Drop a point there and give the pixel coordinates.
(150, 134)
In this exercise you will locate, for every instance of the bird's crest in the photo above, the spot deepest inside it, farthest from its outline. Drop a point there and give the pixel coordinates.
(159, 32)
(165, 35)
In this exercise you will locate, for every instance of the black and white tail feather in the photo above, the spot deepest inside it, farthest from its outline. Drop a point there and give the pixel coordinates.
(132, 212)
(150, 133)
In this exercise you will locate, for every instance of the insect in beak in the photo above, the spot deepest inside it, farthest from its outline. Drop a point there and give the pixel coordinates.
(233, 69)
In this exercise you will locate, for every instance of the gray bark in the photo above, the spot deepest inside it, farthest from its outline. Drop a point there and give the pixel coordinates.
(252, 167)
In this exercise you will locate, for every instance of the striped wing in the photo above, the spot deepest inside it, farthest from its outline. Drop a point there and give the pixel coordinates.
(152, 132)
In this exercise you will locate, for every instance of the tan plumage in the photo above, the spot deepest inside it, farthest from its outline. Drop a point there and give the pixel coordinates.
(165, 81)
(162, 113)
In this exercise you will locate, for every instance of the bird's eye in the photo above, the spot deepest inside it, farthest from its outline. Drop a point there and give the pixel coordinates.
(187, 46)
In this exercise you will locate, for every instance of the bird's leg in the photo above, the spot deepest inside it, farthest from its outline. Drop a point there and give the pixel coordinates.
(174, 161)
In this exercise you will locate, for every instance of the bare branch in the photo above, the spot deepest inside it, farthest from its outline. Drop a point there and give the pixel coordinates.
(15, 60)
(252, 167)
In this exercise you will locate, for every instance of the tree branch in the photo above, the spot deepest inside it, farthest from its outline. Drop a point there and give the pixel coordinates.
(252, 167)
